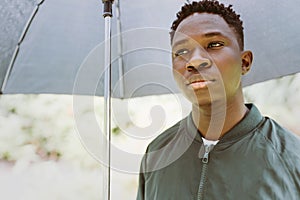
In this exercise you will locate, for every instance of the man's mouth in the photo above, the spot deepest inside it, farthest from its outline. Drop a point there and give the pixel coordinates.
(199, 83)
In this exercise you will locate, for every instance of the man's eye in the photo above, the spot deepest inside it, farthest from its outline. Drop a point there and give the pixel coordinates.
(215, 44)
(181, 52)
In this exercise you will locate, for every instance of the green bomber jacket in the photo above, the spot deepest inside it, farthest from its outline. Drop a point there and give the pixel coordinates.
(256, 159)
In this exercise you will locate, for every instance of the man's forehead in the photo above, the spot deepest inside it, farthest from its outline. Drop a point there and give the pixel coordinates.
(201, 24)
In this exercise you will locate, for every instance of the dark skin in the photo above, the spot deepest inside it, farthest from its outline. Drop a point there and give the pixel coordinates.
(208, 65)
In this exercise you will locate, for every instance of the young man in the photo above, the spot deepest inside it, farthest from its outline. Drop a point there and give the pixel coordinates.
(224, 149)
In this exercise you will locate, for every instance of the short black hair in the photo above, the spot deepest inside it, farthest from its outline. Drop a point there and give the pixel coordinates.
(213, 7)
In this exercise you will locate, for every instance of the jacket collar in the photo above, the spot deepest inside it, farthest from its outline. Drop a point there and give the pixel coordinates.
(248, 124)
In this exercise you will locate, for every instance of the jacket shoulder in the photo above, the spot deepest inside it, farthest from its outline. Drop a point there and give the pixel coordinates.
(283, 141)
(281, 138)
(165, 137)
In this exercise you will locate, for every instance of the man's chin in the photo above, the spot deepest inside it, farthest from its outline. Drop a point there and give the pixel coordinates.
(207, 101)
(199, 101)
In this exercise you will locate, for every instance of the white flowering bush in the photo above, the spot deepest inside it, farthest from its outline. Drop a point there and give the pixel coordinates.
(278, 99)
(41, 156)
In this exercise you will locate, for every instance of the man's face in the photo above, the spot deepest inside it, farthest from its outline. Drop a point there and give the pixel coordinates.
(207, 60)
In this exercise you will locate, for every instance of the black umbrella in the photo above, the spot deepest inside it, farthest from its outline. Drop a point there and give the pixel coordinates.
(63, 34)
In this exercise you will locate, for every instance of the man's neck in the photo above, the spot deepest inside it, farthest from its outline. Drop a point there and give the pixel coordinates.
(215, 120)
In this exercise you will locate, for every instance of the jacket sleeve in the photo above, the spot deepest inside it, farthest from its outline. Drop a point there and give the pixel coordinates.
(141, 188)
(142, 174)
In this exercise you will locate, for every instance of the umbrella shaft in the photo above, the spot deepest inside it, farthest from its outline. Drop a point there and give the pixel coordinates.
(107, 101)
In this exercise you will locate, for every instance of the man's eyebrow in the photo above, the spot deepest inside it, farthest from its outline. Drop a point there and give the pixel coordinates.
(180, 42)
(213, 34)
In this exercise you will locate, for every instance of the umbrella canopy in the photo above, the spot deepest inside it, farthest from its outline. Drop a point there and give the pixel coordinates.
(62, 50)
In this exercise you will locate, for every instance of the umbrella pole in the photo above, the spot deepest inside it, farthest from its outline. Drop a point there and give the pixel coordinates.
(107, 14)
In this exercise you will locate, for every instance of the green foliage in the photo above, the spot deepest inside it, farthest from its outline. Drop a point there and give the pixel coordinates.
(116, 130)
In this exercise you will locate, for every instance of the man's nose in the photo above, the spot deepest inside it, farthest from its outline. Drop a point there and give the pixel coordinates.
(199, 60)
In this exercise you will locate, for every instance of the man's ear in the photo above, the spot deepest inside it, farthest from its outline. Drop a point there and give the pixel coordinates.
(247, 58)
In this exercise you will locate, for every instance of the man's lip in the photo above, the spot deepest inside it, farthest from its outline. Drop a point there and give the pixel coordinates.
(199, 81)
(200, 84)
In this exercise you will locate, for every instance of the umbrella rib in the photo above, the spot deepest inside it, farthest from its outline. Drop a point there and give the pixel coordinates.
(120, 49)
(16, 52)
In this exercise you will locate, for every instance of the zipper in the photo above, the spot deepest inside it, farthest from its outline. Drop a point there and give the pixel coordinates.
(203, 173)
(208, 146)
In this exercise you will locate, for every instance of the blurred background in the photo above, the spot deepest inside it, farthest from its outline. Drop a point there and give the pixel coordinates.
(42, 156)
